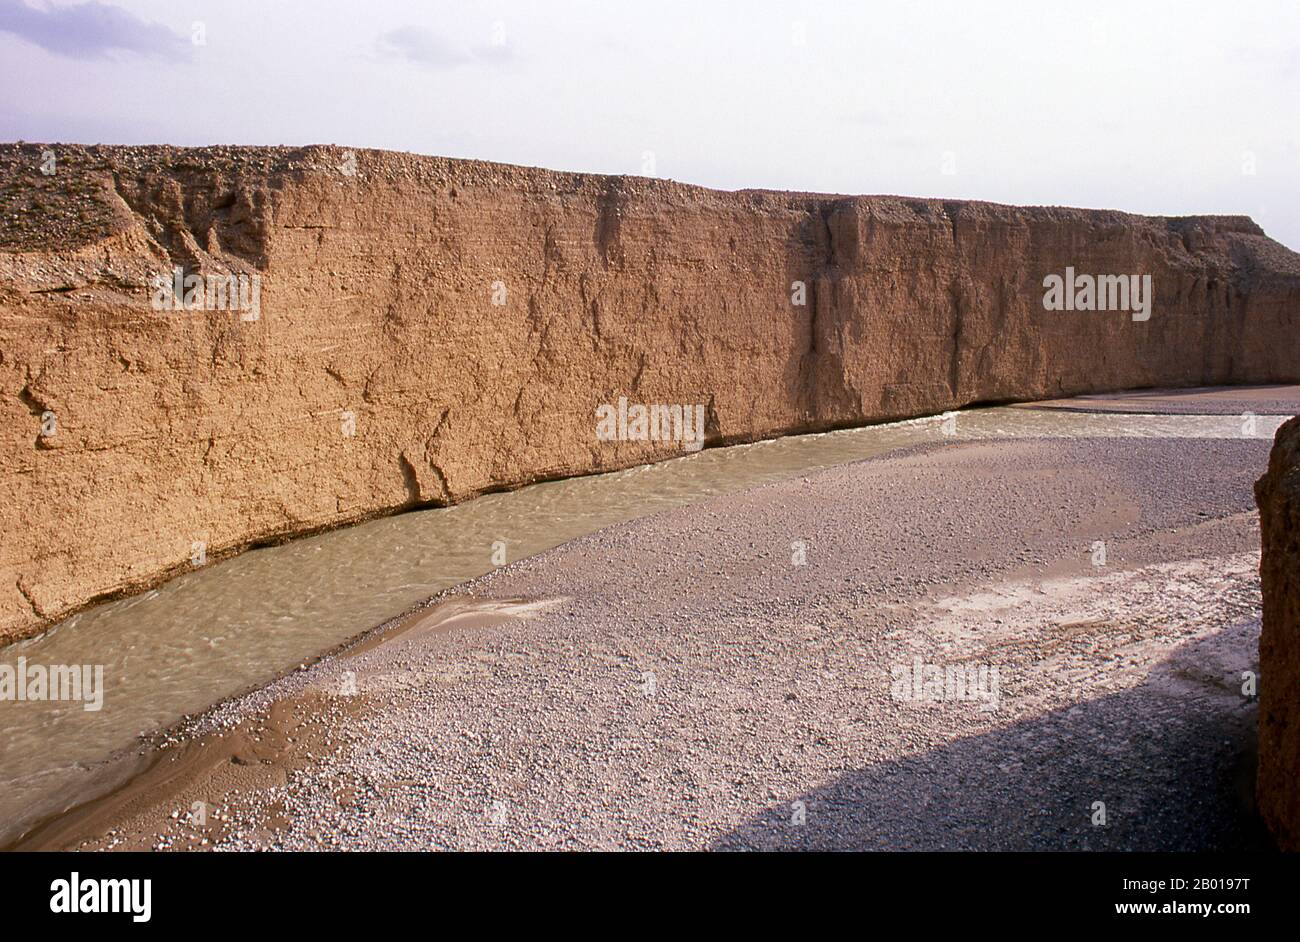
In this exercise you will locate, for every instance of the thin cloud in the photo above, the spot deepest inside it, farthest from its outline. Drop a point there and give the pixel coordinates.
(866, 118)
(88, 30)
(427, 48)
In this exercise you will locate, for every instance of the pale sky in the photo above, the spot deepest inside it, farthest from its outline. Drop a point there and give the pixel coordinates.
(1154, 107)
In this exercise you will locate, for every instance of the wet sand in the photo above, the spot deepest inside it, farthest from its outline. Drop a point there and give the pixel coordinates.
(723, 675)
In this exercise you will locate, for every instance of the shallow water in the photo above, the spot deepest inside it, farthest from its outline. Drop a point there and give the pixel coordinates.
(213, 632)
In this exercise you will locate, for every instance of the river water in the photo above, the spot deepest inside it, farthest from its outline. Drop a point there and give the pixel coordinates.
(214, 632)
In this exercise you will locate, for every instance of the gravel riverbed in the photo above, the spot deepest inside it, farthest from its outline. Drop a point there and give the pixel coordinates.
(758, 671)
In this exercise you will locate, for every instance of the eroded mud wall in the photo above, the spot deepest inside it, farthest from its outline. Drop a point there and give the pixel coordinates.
(430, 329)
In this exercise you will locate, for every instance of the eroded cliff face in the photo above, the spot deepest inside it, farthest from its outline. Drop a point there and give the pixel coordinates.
(1278, 494)
(430, 329)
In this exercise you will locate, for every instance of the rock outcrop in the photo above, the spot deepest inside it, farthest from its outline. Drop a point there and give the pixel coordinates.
(1278, 494)
(426, 330)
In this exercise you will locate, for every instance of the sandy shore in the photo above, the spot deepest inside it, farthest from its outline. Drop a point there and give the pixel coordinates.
(726, 675)
(1200, 400)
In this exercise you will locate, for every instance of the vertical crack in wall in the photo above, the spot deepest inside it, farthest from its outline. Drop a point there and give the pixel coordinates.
(956, 296)
(816, 247)
(410, 479)
(609, 223)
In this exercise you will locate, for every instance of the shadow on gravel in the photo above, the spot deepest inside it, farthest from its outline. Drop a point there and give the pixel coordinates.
(1173, 760)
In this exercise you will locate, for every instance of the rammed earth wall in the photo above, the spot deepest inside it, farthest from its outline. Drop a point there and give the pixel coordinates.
(431, 329)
